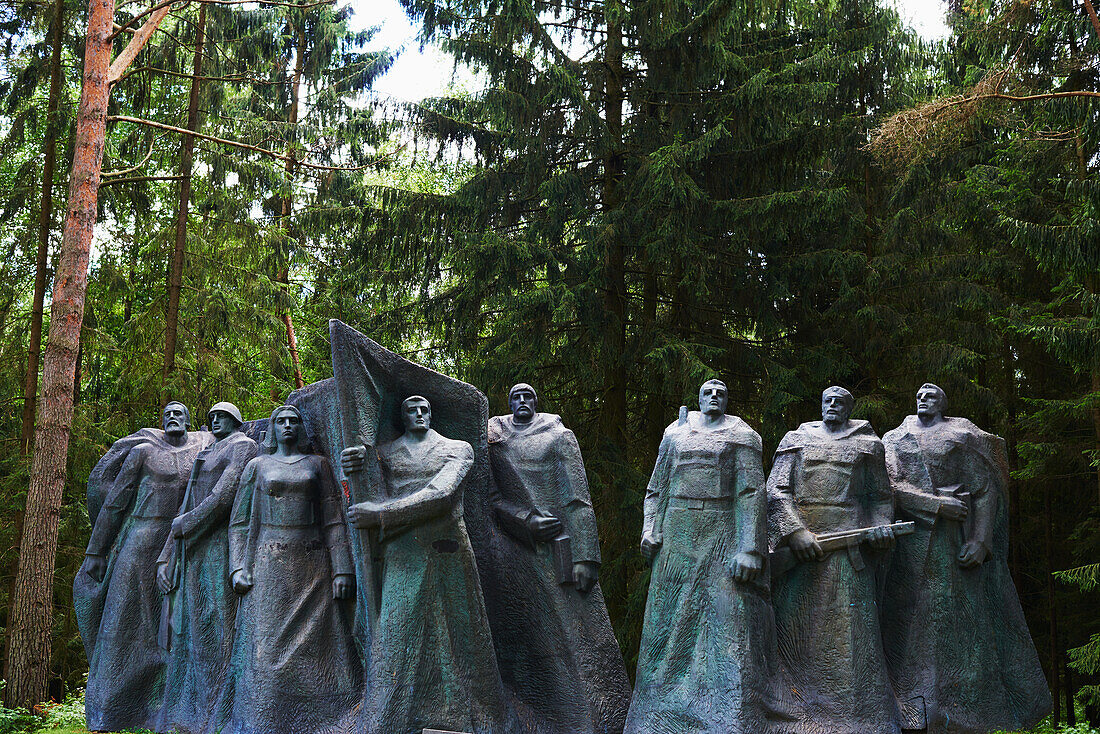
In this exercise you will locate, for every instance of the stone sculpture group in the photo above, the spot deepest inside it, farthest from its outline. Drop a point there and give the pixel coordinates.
(380, 556)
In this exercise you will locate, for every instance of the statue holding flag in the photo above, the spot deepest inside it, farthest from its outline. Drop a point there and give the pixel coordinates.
(420, 673)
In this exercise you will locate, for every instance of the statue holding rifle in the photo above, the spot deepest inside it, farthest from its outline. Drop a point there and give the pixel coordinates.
(193, 572)
(951, 612)
(828, 477)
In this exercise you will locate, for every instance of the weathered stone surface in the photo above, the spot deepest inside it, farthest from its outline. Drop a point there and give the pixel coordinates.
(294, 666)
(134, 494)
(194, 564)
(828, 476)
(555, 644)
(961, 658)
(708, 631)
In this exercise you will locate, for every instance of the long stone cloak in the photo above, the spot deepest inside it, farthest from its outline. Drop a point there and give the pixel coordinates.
(961, 658)
(294, 665)
(706, 639)
(133, 508)
(204, 603)
(557, 650)
(832, 665)
(431, 663)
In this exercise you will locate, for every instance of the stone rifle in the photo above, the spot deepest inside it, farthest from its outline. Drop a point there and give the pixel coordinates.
(167, 613)
(783, 559)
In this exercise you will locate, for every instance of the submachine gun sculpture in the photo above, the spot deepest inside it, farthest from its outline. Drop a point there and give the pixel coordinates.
(783, 559)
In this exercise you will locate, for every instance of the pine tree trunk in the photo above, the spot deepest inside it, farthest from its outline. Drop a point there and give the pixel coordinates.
(1071, 712)
(613, 411)
(32, 603)
(187, 158)
(1096, 419)
(288, 201)
(1052, 607)
(45, 216)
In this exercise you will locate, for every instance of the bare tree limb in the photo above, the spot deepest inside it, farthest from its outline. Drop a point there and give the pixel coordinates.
(159, 8)
(136, 179)
(133, 48)
(137, 166)
(237, 144)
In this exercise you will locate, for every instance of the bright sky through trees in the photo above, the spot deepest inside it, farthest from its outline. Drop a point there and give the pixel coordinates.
(428, 72)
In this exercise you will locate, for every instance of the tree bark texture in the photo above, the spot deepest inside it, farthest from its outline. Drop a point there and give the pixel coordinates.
(613, 414)
(32, 604)
(288, 200)
(45, 215)
(179, 249)
(1052, 608)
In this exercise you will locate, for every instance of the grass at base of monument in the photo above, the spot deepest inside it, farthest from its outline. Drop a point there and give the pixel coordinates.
(68, 718)
(1043, 728)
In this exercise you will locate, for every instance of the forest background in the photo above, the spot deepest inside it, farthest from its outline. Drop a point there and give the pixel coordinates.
(623, 199)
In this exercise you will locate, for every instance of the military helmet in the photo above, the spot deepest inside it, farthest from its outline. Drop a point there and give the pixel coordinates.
(225, 408)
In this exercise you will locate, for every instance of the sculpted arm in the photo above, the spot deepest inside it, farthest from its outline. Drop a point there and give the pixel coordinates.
(436, 498)
(785, 526)
(656, 500)
(580, 515)
(905, 467)
(752, 522)
(213, 510)
(880, 498)
(512, 516)
(240, 521)
(335, 530)
(113, 514)
(578, 501)
(985, 496)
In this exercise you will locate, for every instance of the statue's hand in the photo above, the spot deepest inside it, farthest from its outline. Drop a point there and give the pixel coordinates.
(242, 582)
(746, 567)
(651, 545)
(585, 575)
(164, 578)
(96, 567)
(544, 527)
(352, 458)
(365, 515)
(974, 553)
(343, 586)
(804, 545)
(881, 539)
(177, 528)
(952, 508)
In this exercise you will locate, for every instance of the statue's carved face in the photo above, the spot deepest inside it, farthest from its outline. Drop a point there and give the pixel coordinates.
(835, 407)
(523, 404)
(713, 398)
(222, 424)
(175, 418)
(288, 427)
(416, 414)
(929, 402)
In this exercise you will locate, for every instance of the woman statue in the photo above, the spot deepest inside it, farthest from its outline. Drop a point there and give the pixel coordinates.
(295, 668)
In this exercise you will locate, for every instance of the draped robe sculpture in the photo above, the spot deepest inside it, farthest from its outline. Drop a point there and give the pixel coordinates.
(961, 658)
(115, 593)
(294, 666)
(431, 663)
(708, 631)
(194, 568)
(830, 476)
(557, 649)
